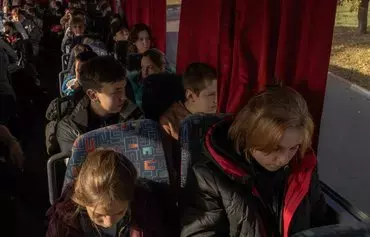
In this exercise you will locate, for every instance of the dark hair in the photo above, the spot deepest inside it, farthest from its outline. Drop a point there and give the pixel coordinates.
(102, 69)
(79, 48)
(86, 56)
(196, 75)
(156, 56)
(77, 21)
(121, 50)
(76, 12)
(159, 92)
(134, 34)
(10, 24)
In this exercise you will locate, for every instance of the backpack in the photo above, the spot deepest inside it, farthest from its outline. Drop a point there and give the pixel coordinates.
(58, 109)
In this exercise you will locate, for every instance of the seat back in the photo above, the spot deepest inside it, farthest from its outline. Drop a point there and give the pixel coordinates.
(140, 141)
(65, 59)
(192, 132)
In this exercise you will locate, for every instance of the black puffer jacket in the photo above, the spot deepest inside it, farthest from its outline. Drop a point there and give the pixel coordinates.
(225, 194)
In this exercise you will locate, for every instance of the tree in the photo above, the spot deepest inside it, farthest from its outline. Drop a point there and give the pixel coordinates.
(362, 8)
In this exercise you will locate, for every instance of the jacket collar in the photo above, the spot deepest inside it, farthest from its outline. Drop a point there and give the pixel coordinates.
(235, 165)
(80, 114)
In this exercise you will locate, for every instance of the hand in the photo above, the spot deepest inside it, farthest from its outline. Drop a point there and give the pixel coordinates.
(16, 154)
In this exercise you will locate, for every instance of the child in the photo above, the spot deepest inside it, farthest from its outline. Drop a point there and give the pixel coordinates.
(256, 175)
(74, 34)
(71, 84)
(104, 81)
(107, 200)
(200, 85)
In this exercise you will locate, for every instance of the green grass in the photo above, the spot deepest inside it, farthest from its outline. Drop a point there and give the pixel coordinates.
(173, 2)
(350, 55)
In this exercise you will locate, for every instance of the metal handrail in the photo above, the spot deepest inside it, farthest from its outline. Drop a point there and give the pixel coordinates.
(52, 179)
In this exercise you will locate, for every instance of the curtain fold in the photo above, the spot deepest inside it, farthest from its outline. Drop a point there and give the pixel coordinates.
(255, 43)
(150, 12)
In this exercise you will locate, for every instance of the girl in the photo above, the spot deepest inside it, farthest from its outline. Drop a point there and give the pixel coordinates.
(257, 175)
(152, 62)
(141, 38)
(106, 200)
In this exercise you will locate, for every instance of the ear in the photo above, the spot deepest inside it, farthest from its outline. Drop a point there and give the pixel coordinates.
(92, 95)
(190, 95)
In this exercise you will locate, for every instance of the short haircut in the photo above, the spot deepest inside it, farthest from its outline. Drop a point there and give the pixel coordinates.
(10, 24)
(77, 12)
(77, 21)
(260, 125)
(156, 56)
(79, 48)
(86, 56)
(102, 69)
(197, 75)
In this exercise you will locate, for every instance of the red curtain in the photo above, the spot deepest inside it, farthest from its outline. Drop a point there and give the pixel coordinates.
(150, 12)
(253, 43)
(113, 5)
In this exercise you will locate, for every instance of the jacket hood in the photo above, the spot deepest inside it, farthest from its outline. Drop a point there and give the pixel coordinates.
(222, 152)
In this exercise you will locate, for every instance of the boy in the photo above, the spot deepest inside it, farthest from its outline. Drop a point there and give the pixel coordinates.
(200, 85)
(74, 34)
(104, 81)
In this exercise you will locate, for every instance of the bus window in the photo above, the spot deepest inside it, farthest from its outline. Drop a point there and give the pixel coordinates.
(173, 22)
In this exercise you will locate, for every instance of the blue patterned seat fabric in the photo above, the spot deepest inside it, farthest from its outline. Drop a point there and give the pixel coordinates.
(140, 141)
(192, 132)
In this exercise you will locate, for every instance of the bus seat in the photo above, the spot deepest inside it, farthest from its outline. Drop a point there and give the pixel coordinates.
(61, 78)
(65, 60)
(140, 141)
(359, 229)
(53, 171)
(192, 131)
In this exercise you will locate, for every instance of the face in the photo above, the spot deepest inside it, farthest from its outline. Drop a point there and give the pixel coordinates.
(77, 69)
(78, 29)
(107, 217)
(122, 35)
(111, 97)
(143, 42)
(148, 67)
(206, 102)
(287, 149)
(16, 17)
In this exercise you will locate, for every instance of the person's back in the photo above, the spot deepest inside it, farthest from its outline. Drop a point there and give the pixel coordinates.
(108, 200)
(104, 81)
(7, 94)
(256, 174)
(200, 85)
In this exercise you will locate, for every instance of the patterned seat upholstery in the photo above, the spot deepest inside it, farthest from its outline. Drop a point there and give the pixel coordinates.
(192, 131)
(140, 141)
